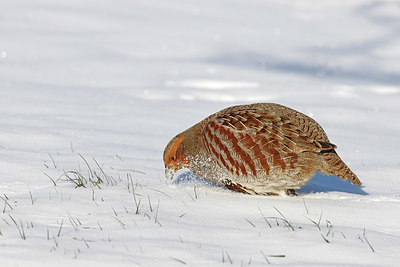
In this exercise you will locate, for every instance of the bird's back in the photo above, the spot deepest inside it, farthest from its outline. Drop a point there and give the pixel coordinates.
(266, 147)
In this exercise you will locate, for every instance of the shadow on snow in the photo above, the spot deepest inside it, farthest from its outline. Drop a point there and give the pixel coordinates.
(305, 66)
(320, 183)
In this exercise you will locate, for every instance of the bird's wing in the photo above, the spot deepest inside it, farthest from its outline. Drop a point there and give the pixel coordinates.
(246, 141)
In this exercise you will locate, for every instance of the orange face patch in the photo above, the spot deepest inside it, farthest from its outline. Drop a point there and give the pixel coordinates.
(174, 155)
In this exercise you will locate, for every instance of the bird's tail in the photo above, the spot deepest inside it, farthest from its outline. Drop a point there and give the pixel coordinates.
(333, 164)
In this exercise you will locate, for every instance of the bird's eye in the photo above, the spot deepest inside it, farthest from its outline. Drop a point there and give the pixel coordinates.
(173, 158)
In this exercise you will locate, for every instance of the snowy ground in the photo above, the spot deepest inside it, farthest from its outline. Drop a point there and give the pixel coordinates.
(115, 80)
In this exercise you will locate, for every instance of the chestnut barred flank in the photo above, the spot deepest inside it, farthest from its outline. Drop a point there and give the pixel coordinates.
(257, 149)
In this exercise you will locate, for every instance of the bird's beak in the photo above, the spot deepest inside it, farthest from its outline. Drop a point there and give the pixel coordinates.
(169, 173)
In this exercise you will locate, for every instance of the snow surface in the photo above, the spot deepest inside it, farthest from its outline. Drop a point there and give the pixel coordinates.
(114, 81)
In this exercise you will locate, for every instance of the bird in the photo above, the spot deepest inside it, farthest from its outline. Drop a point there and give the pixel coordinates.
(261, 149)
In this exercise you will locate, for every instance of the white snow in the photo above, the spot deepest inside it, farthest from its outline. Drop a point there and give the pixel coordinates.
(114, 81)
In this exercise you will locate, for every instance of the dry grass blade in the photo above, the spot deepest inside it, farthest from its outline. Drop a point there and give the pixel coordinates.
(93, 178)
(195, 192)
(305, 206)
(109, 179)
(369, 244)
(151, 208)
(252, 224)
(225, 252)
(138, 206)
(159, 191)
(59, 230)
(156, 217)
(178, 260)
(326, 240)
(30, 193)
(101, 170)
(6, 204)
(55, 241)
(50, 179)
(52, 160)
(265, 218)
(114, 211)
(101, 228)
(283, 219)
(123, 225)
(189, 195)
(265, 257)
(229, 257)
(317, 224)
(87, 164)
(74, 224)
(20, 231)
(76, 178)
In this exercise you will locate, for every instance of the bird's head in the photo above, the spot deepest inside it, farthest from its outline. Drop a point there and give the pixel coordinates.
(174, 156)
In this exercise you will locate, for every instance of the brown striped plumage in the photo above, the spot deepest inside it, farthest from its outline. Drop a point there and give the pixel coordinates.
(257, 149)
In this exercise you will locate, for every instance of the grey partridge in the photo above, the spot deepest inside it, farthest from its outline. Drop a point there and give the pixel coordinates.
(260, 148)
